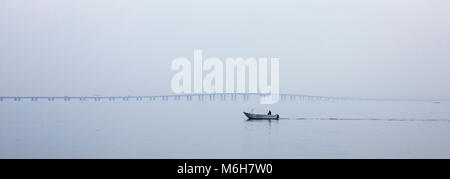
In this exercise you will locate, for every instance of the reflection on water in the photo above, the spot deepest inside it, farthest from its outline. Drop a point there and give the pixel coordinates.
(264, 125)
(268, 121)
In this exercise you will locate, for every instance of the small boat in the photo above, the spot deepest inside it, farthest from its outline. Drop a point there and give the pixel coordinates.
(253, 116)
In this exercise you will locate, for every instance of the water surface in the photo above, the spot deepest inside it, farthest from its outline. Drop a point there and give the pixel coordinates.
(218, 129)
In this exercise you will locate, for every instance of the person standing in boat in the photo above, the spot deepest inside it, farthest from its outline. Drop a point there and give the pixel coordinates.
(270, 113)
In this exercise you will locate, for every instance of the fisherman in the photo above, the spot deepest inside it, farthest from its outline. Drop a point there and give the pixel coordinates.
(270, 113)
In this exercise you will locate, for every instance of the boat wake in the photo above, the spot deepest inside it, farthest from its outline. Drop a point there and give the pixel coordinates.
(371, 119)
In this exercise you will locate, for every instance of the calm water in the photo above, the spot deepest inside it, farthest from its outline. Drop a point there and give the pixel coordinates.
(144, 129)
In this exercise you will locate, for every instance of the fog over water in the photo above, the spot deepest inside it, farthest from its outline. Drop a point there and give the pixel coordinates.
(384, 49)
(350, 48)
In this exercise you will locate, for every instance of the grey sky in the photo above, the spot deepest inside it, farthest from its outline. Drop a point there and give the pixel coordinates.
(382, 48)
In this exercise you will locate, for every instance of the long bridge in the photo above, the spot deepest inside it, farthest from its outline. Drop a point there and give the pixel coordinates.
(203, 96)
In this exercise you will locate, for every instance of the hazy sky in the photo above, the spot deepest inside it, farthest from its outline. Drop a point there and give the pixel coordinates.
(379, 48)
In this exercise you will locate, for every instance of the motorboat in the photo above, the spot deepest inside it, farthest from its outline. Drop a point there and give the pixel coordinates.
(253, 116)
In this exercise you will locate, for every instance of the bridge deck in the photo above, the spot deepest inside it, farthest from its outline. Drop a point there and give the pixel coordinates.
(221, 96)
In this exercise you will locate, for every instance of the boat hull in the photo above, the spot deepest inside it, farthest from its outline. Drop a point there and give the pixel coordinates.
(261, 116)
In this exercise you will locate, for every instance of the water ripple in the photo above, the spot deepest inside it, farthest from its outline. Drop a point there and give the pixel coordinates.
(373, 119)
